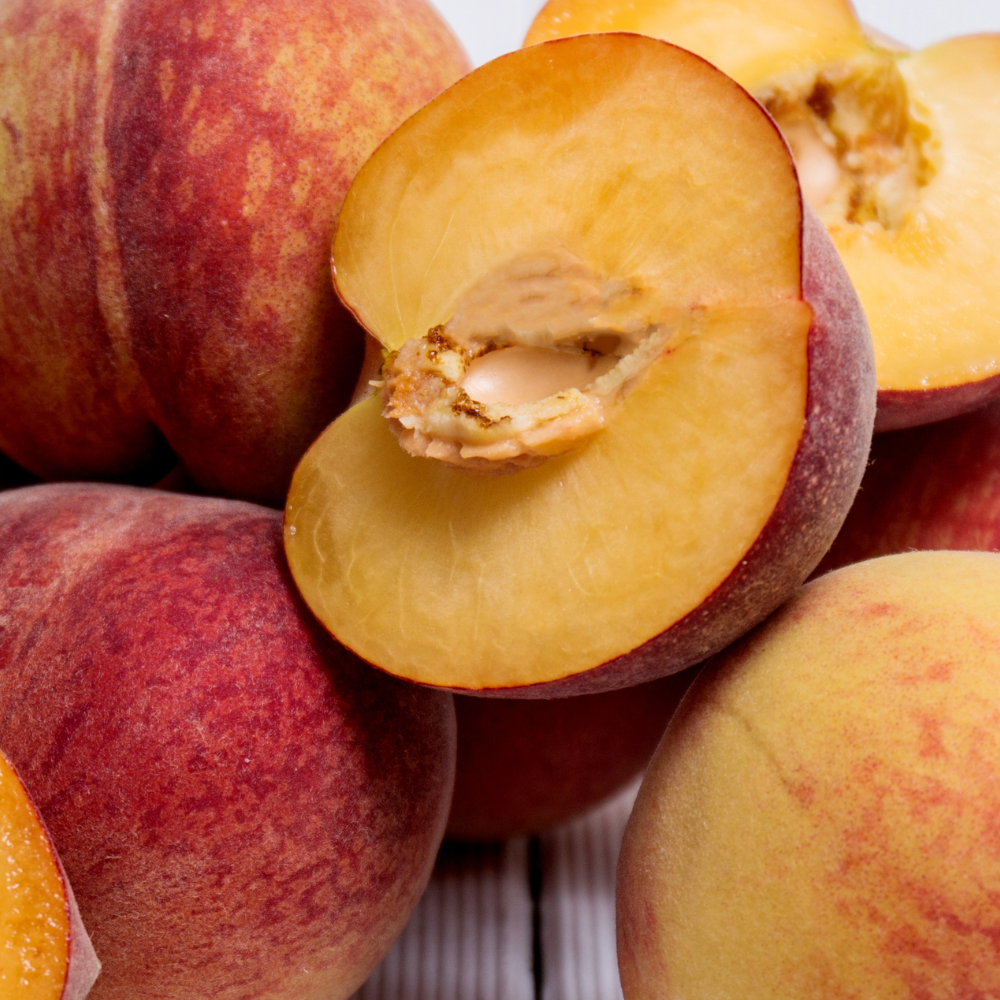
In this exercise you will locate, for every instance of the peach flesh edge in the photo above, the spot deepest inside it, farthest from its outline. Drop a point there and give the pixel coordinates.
(757, 863)
(906, 397)
(820, 486)
(378, 282)
(81, 966)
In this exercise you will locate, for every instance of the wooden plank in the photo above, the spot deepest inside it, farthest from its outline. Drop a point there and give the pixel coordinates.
(470, 937)
(579, 860)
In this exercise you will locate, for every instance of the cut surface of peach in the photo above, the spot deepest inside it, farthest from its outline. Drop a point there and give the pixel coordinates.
(585, 263)
(39, 927)
(897, 151)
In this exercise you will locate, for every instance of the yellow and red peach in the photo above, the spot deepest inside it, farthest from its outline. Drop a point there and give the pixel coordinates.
(820, 818)
(170, 175)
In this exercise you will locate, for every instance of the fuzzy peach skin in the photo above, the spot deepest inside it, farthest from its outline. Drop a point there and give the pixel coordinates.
(170, 175)
(819, 821)
(525, 766)
(245, 810)
(933, 487)
(45, 953)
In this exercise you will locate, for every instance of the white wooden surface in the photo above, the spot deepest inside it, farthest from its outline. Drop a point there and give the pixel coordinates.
(477, 931)
(577, 908)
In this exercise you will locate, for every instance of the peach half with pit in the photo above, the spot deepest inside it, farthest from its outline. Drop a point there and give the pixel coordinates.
(628, 389)
(45, 953)
(897, 151)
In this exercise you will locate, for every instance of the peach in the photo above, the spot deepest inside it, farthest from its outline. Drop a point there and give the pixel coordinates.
(933, 487)
(628, 389)
(170, 174)
(245, 810)
(45, 953)
(897, 151)
(820, 817)
(525, 766)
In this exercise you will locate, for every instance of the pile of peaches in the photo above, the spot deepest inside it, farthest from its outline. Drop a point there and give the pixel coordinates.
(564, 372)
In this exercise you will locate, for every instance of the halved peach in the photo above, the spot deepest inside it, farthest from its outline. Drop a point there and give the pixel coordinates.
(897, 151)
(628, 388)
(45, 953)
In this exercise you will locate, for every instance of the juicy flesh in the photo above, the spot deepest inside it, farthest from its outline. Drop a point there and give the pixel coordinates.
(620, 208)
(34, 924)
(470, 582)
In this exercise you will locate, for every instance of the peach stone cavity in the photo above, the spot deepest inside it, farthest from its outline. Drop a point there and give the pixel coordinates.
(532, 363)
(862, 147)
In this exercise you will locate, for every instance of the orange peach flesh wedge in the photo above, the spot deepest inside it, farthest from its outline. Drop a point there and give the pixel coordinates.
(617, 207)
(45, 953)
(898, 153)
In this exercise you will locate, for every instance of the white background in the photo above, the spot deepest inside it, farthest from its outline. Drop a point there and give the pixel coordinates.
(488, 28)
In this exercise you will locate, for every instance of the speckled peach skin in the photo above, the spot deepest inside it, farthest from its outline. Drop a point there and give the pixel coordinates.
(933, 487)
(171, 178)
(820, 818)
(244, 809)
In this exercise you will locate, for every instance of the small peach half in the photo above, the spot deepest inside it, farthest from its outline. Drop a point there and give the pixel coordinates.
(45, 953)
(897, 151)
(628, 389)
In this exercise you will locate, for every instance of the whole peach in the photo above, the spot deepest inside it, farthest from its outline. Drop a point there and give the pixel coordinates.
(820, 818)
(931, 487)
(245, 810)
(171, 173)
(525, 766)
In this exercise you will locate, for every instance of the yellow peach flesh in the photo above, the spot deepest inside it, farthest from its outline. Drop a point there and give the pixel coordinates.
(655, 226)
(921, 256)
(34, 916)
(466, 582)
(930, 289)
